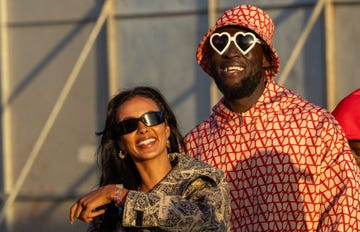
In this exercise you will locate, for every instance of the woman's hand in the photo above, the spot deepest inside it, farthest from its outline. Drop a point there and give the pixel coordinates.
(87, 207)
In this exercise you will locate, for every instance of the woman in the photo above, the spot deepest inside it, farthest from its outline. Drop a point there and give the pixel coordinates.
(146, 183)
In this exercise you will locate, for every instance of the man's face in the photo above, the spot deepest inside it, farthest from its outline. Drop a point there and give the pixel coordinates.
(235, 74)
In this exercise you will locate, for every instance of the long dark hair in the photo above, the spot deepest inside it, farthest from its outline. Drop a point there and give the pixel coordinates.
(114, 169)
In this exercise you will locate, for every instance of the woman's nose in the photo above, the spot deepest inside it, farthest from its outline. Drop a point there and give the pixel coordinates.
(142, 128)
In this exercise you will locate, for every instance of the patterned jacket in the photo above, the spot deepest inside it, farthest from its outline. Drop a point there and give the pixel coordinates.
(192, 197)
(287, 161)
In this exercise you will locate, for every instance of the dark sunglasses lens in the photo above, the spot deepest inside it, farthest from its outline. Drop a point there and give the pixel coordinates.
(153, 118)
(244, 42)
(220, 42)
(127, 126)
(149, 119)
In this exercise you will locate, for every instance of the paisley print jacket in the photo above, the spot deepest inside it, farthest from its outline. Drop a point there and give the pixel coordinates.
(192, 197)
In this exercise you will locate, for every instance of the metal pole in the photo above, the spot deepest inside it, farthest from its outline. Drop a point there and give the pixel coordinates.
(6, 153)
(112, 50)
(300, 44)
(212, 16)
(330, 55)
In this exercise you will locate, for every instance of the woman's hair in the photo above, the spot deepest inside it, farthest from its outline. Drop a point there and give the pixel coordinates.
(114, 169)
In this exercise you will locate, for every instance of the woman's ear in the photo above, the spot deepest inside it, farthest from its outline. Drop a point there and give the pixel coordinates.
(167, 130)
(120, 145)
(117, 147)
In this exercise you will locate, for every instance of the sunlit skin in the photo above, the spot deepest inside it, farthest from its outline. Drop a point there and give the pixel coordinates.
(147, 148)
(355, 148)
(232, 68)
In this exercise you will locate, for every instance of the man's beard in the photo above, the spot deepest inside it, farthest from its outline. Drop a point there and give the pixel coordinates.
(240, 90)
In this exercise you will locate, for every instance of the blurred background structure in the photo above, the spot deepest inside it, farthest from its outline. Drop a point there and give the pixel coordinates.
(61, 60)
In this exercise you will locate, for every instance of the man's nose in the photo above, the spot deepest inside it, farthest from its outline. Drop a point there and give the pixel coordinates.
(232, 51)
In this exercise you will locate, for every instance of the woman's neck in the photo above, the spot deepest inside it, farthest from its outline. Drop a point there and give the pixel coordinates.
(152, 172)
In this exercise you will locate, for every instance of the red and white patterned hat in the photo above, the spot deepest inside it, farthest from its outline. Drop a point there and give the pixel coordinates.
(246, 16)
(348, 115)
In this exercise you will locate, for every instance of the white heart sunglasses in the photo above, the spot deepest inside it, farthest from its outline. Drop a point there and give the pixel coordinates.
(244, 41)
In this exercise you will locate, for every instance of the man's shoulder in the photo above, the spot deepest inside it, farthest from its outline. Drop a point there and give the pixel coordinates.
(201, 128)
(294, 101)
(290, 104)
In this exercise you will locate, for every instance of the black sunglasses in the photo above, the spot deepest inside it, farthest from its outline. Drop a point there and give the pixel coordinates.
(129, 125)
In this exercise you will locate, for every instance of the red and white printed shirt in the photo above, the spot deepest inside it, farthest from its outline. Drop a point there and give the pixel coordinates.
(287, 161)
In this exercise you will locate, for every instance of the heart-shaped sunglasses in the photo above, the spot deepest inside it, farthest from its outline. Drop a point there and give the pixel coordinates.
(244, 41)
(131, 124)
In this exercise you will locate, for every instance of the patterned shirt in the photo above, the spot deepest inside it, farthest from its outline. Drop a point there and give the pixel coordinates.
(287, 161)
(194, 196)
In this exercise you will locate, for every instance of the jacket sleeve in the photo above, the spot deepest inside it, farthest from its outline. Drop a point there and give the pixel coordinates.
(340, 178)
(203, 206)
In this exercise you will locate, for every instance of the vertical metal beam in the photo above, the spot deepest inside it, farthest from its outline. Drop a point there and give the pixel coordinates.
(111, 38)
(6, 135)
(330, 55)
(212, 17)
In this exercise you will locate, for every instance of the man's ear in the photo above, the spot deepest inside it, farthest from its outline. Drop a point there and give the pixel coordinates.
(265, 62)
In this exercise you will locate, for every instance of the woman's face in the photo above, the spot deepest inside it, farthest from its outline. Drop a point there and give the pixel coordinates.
(145, 143)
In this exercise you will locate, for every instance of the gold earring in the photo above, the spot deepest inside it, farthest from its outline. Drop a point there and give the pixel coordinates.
(122, 154)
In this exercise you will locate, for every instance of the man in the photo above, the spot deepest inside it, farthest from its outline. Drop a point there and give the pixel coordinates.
(348, 115)
(287, 161)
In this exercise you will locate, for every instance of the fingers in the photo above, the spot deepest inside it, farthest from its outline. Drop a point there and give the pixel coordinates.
(83, 212)
(79, 210)
(86, 208)
(73, 209)
(76, 211)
